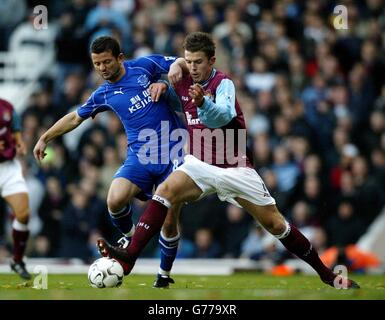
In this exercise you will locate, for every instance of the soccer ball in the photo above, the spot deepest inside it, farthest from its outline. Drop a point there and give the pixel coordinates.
(105, 273)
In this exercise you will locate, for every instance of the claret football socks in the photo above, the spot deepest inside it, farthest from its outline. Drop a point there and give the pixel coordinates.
(149, 224)
(298, 244)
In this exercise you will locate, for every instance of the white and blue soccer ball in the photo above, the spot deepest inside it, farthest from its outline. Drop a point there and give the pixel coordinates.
(105, 273)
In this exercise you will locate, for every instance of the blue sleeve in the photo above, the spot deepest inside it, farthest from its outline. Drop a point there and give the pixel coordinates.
(172, 98)
(220, 113)
(16, 122)
(93, 105)
(155, 64)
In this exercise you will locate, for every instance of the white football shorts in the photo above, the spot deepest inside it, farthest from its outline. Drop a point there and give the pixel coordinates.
(11, 178)
(228, 183)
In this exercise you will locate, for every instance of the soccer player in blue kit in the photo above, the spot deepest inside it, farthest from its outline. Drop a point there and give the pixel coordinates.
(130, 90)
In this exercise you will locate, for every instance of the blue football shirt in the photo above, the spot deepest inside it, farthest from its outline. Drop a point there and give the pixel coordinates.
(143, 119)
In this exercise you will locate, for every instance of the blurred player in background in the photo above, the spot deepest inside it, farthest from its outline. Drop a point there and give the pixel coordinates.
(127, 91)
(210, 104)
(13, 187)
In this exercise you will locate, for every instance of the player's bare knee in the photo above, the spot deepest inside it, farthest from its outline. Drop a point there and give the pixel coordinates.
(22, 216)
(278, 226)
(115, 204)
(165, 191)
(275, 224)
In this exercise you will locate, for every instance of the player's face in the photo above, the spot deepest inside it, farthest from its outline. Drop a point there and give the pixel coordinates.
(199, 65)
(107, 66)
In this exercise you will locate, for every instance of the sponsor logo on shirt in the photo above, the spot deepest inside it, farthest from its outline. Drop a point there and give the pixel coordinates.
(190, 120)
(139, 102)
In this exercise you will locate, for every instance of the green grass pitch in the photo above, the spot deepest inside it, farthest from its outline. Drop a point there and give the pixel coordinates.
(247, 286)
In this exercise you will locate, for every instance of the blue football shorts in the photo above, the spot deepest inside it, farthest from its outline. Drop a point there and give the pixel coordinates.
(146, 176)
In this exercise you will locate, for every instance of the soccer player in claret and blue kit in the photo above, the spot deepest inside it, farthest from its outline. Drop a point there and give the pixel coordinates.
(13, 188)
(219, 162)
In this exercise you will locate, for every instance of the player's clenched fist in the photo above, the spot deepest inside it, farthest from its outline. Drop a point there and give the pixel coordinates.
(197, 94)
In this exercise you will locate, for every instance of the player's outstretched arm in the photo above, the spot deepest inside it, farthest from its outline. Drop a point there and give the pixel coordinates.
(62, 126)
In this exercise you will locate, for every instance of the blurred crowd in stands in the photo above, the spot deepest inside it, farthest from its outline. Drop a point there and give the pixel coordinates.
(313, 99)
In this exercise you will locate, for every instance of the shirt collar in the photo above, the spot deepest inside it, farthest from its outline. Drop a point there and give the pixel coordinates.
(212, 74)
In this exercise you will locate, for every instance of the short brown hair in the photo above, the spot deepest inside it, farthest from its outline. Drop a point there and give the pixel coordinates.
(200, 41)
(106, 43)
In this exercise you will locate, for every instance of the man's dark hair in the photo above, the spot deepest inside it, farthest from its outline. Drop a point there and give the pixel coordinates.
(105, 43)
(200, 41)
